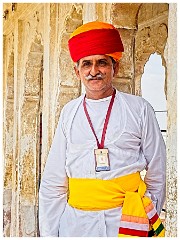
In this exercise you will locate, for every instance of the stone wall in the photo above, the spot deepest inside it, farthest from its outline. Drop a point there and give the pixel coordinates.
(171, 59)
(38, 79)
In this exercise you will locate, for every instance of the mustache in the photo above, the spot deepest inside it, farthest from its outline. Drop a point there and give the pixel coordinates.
(98, 76)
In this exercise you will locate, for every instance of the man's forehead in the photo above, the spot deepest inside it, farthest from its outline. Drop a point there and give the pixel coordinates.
(94, 57)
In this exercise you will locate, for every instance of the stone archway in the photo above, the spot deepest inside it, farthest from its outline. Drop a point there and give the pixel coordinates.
(26, 193)
(151, 37)
(152, 88)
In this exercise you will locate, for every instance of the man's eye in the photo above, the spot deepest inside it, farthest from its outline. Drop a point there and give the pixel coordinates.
(103, 63)
(86, 64)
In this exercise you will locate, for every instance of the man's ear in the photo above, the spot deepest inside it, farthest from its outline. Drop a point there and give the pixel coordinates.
(77, 72)
(116, 68)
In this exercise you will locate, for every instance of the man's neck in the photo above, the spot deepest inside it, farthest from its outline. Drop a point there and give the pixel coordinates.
(95, 95)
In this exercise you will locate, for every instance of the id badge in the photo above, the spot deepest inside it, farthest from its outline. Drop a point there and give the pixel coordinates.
(102, 160)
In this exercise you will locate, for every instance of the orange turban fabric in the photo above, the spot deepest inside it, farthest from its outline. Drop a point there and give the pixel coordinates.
(95, 38)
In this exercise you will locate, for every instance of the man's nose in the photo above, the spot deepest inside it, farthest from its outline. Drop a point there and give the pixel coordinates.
(94, 70)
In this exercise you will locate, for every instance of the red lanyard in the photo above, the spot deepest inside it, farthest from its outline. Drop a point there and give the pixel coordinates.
(100, 145)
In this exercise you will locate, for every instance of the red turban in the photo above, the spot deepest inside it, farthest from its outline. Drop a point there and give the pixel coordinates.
(95, 38)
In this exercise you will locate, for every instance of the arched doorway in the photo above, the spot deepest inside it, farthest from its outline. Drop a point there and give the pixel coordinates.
(152, 89)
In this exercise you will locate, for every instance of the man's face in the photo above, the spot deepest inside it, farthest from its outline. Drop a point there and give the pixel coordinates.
(96, 72)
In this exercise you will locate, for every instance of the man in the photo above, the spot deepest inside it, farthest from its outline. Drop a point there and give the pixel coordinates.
(91, 186)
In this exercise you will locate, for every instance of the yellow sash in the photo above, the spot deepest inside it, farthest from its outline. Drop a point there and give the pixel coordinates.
(97, 194)
(138, 212)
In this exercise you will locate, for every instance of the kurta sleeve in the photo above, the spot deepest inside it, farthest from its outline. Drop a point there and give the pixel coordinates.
(54, 185)
(153, 148)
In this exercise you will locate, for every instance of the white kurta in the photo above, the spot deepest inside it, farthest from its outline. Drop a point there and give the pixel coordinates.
(135, 143)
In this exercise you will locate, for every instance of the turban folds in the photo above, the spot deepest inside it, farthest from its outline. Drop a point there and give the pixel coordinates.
(95, 38)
